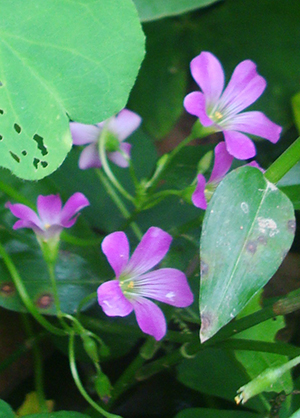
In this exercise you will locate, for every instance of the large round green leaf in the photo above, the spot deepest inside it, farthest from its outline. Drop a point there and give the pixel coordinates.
(248, 228)
(61, 59)
(156, 9)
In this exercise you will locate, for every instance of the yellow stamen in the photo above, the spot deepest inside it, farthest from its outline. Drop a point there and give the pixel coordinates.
(218, 115)
(130, 285)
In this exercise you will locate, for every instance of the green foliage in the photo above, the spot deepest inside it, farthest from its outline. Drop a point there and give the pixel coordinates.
(156, 9)
(5, 410)
(256, 362)
(213, 413)
(61, 60)
(248, 228)
(61, 414)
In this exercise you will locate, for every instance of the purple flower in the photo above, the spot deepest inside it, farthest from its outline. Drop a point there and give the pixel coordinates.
(114, 130)
(134, 282)
(221, 109)
(51, 217)
(204, 190)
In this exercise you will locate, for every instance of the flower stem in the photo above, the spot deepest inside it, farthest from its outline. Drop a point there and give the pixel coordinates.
(120, 205)
(284, 163)
(78, 381)
(24, 295)
(110, 174)
(38, 366)
(198, 132)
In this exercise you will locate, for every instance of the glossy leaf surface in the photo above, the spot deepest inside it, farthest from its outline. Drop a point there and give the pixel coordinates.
(61, 60)
(248, 228)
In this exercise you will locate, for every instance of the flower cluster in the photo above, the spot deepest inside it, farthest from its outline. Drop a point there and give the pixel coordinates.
(113, 131)
(222, 109)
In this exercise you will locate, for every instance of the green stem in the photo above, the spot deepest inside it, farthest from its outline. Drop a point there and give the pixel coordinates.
(120, 205)
(284, 163)
(127, 379)
(78, 381)
(38, 366)
(108, 171)
(24, 295)
(198, 131)
(51, 269)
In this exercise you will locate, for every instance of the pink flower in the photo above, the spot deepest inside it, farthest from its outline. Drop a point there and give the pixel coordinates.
(204, 190)
(222, 109)
(114, 131)
(51, 217)
(134, 282)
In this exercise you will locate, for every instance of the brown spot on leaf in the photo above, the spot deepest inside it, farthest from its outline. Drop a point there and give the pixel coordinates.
(251, 247)
(291, 225)
(203, 268)
(45, 301)
(7, 289)
(262, 240)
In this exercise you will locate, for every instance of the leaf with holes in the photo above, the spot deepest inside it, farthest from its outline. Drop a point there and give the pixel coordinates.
(61, 59)
(248, 228)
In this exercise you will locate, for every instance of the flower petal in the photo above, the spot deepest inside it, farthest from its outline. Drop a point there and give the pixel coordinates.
(150, 251)
(118, 157)
(49, 208)
(27, 215)
(256, 123)
(150, 318)
(239, 145)
(194, 104)
(112, 300)
(116, 248)
(84, 134)
(243, 89)
(124, 124)
(166, 285)
(28, 224)
(208, 73)
(89, 157)
(198, 197)
(73, 205)
(222, 163)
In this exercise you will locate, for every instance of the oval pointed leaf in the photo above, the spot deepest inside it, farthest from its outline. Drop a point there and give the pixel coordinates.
(61, 59)
(248, 228)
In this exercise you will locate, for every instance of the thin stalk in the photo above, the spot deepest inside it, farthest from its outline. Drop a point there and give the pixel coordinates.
(24, 295)
(38, 366)
(120, 205)
(109, 173)
(284, 163)
(78, 381)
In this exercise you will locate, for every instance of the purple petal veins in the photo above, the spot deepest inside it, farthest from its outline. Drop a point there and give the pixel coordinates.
(121, 126)
(222, 110)
(134, 282)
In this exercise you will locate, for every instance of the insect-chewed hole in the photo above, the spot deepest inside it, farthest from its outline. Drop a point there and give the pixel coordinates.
(44, 164)
(40, 144)
(24, 153)
(15, 157)
(1, 111)
(1, 137)
(1, 84)
(36, 162)
(17, 128)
